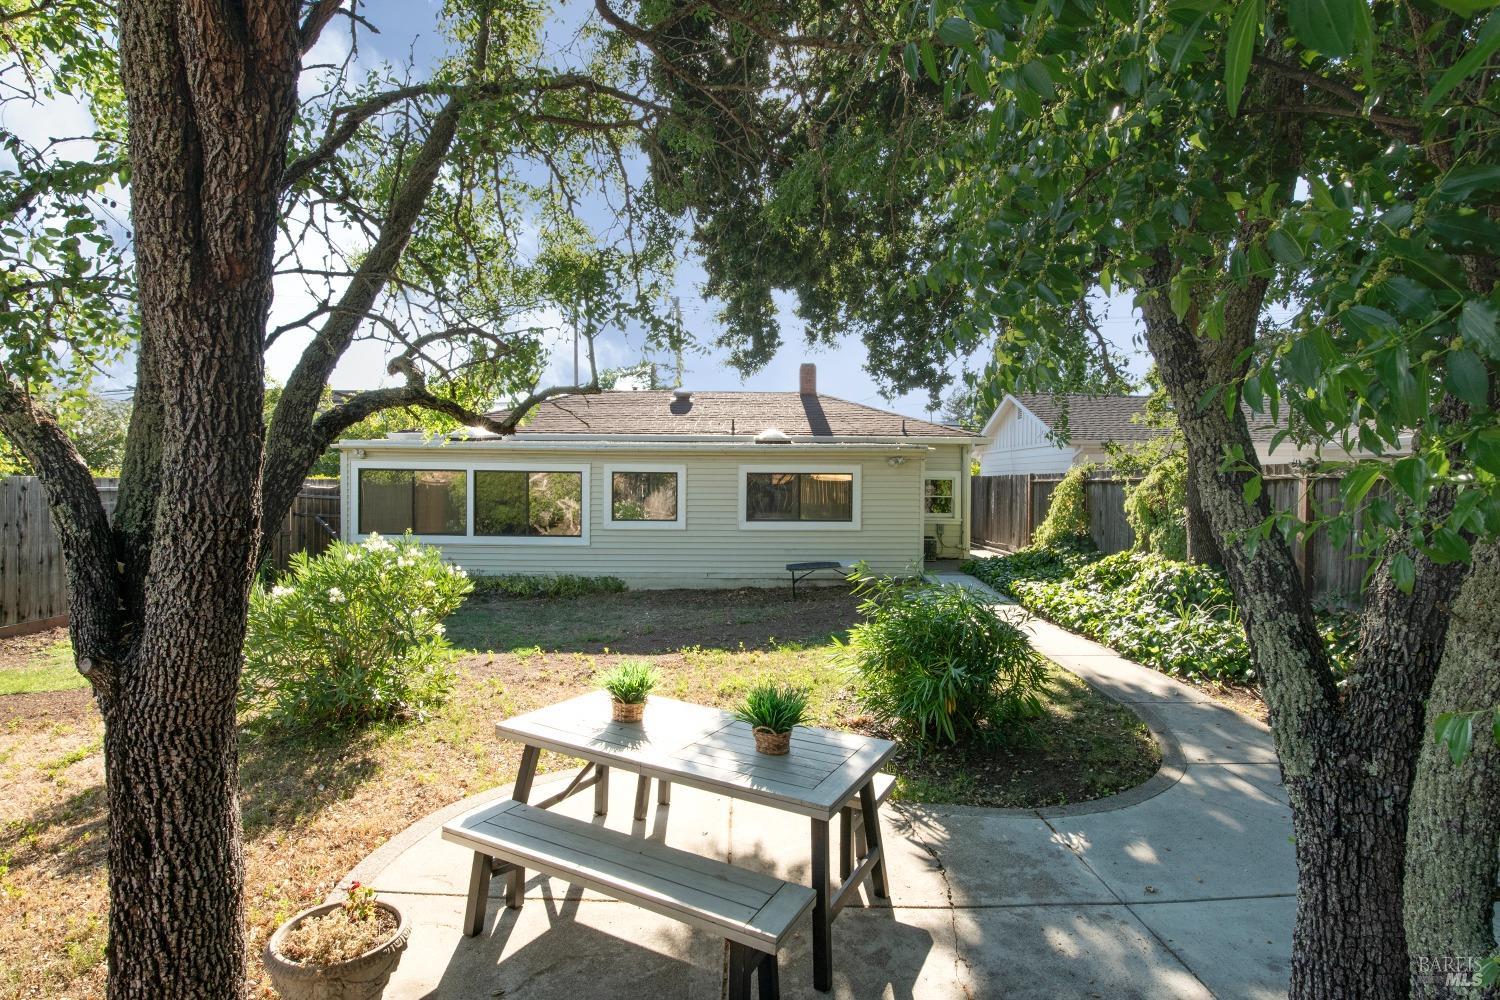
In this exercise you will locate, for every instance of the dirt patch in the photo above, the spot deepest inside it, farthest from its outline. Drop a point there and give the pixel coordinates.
(47, 707)
(1243, 699)
(18, 651)
(655, 621)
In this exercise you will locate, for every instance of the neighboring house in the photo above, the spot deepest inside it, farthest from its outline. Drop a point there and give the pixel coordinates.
(1023, 434)
(674, 488)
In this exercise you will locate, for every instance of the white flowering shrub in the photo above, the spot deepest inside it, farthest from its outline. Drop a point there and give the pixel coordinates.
(354, 635)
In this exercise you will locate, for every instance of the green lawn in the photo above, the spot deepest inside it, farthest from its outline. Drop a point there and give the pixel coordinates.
(47, 669)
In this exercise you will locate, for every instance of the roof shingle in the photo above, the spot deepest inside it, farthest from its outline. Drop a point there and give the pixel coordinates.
(626, 413)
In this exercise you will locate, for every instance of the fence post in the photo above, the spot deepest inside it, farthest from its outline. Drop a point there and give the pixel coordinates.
(1026, 522)
(1305, 547)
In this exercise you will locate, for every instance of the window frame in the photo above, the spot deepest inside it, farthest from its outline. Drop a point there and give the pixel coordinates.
(952, 477)
(679, 523)
(742, 490)
(531, 470)
(469, 467)
(413, 467)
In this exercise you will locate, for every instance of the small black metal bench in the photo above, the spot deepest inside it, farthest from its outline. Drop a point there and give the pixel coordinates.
(803, 570)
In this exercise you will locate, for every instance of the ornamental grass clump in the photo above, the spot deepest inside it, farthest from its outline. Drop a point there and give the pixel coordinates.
(937, 666)
(772, 711)
(353, 636)
(628, 684)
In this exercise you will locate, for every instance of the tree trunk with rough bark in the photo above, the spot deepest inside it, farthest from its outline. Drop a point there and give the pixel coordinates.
(210, 91)
(1347, 759)
(1201, 546)
(1451, 863)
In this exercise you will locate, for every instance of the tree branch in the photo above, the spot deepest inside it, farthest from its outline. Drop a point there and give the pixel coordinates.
(315, 21)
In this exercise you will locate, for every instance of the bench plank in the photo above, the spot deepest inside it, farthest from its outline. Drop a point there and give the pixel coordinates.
(743, 906)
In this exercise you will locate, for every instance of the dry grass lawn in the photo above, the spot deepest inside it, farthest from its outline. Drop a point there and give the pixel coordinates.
(316, 805)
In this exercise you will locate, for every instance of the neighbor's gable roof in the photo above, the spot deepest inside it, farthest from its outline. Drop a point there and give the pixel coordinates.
(653, 412)
(1089, 418)
(1093, 419)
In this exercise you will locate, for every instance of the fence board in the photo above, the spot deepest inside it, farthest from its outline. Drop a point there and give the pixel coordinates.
(33, 579)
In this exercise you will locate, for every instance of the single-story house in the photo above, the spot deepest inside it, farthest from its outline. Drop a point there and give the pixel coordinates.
(1025, 434)
(673, 488)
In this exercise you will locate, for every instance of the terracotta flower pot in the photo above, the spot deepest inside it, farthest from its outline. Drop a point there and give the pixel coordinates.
(362, 978)
(771, 743)
(627, 711)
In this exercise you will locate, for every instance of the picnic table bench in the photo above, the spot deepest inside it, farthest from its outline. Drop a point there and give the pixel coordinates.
(753, 912)
(803, 570)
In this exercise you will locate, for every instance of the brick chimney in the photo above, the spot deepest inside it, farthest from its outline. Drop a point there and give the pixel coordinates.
(807, 380)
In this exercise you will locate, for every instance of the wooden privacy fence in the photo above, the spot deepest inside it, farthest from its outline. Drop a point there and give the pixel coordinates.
(1007, 509)
(33, 586)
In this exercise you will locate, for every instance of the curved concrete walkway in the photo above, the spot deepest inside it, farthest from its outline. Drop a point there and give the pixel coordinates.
(1184, 887)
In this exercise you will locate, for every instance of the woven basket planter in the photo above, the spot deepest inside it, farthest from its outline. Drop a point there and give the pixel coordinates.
(627, 711)
(775, 744)
(362, 978)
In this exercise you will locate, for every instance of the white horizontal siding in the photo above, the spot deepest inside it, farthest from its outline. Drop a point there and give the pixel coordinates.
(1019, 444)
(711, 550)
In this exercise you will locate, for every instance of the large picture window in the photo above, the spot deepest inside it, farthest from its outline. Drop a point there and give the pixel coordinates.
(544, 504)
(643, 496)
(799, 496)
(422, 501)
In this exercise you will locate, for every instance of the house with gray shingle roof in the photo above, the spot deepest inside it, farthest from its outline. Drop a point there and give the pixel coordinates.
(674, 488)
(1045, 433)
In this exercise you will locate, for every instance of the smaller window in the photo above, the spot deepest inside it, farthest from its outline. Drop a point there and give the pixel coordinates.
(937, 496)
(643, 496)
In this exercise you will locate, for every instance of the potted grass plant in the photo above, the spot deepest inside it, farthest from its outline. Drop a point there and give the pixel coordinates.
(338, 951)
(628, 685)
(772, 710)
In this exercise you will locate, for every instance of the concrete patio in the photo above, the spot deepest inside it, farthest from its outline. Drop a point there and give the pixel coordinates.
(1183, 887)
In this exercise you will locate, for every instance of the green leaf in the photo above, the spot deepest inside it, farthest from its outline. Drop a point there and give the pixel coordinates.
(1468, 7)
(1038, 79)
(1403, 572)
(1445, 546)
(1484, 47)
(1243, 33)
(1455, 732)
(1283, 247)
(1467, 379)
(1328, 26)
(1465, 230)
(1358, 482)
(956, 31)
(1410, 477)
(1477, 324)
(1252, 489)
(1464, 181)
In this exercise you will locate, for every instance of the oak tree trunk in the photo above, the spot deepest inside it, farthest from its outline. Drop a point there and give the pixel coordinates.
(1451, 862)
(1347, 760)
(210, 92)
(1201, 546)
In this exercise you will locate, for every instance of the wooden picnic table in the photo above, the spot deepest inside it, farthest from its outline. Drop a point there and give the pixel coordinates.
(707, 748)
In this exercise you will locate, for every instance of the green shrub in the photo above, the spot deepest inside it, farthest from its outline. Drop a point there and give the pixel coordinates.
(936, 664)
(546, 585)
(1032, 563)
(1177, 617)
(1067, 520)
(354, 635)
(777, 707)
(630, 681)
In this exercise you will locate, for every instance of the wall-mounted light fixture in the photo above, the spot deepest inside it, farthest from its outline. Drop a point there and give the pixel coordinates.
(359, 453)
(896, 460)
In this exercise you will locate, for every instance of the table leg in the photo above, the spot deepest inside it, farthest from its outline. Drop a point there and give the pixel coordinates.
(846, 843)
(515, 879)
(663, 792)
(479, 890)
(642, 797)
(867, 808)
(822, 920)
(601, 791)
